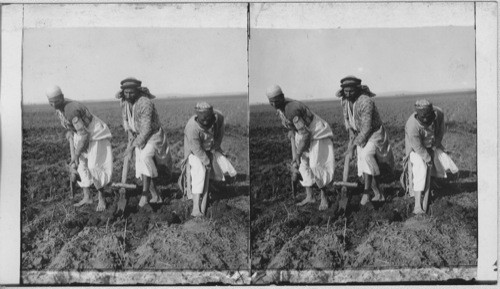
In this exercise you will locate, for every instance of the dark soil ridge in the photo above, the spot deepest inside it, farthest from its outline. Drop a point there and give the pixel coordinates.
(116, 240)
(384, 235)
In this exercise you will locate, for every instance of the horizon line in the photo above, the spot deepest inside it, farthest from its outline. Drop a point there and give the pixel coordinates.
(386, 94)
(175, 96)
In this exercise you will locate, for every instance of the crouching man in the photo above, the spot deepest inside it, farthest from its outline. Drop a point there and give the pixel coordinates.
(425, 156)
(145, 136)
(203, 156)
(313, 138)
(89, 139)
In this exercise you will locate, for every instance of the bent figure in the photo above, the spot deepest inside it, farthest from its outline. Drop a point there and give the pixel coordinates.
(425, 154)
(366, 133)
(313, 137)
(145, 136)
(204, 159)
(91, 137)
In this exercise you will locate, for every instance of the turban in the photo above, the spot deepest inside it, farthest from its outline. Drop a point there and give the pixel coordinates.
(423, 105)
(130, 82)
(203, 109)
(353, 81)
(275, 93)
(424, 109)
(350, 81)
(54, 93)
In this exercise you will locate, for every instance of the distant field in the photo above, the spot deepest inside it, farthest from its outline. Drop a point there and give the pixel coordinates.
(459, 109)
(173, 112)
(288, 237)
(57, 236)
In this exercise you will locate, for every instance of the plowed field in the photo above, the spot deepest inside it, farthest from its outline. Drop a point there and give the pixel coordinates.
(387, 235)
(57, 236)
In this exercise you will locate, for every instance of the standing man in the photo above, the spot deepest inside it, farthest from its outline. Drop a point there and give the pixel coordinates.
(203, 156)
(313, 138)
(425, 154)
(366, 133)
(145, 136)
(89, 138)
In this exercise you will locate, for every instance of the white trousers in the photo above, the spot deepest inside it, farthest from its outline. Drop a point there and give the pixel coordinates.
(318, 164)
(156, 149)
(442, 163)
(368, 158)
(96, 164)
(367, 163)
(220, 167)
(144, 161)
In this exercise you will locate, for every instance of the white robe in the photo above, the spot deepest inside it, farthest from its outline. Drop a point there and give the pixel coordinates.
(317, 164)
(96, 163)
(220, 167)
(155, 150)
(442, 163)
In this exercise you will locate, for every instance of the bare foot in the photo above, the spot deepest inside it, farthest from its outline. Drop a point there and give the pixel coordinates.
(101, 206)
(364, 199)
(378, 198)
(197, 214)
(418, 211)
(84, 201)
(306, 201)
(323, 206)
(156, 199)
(143, 201)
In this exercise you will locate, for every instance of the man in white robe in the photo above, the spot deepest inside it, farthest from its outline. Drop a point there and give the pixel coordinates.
(90, 138)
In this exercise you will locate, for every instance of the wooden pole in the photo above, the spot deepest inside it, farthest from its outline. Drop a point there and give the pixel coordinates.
(204, 201)
(425, 202)
(344, 199)
(294, 176)
(72, 177)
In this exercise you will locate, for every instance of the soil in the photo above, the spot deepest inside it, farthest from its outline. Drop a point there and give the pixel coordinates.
(375, 236)
(58, 236)
(156, 236)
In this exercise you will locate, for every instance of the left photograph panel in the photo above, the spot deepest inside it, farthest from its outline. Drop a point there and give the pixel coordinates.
(135, 144)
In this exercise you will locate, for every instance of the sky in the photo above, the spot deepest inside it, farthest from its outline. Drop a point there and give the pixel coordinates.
(200, 49)
(309, 63)
(89, 63)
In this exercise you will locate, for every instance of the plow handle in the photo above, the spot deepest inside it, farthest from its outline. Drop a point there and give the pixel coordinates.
(344, 197)
(294, 176)
(425, 201)
(204, 200)
(72, 179)
(122, 202)
(347, 160)
(126, 160)
(345, 184)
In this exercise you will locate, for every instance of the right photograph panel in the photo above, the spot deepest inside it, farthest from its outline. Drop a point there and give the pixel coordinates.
(363, 146)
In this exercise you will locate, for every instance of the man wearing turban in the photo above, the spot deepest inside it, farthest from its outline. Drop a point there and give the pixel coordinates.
(425, 154)
(313, 138)
(90, 136)
(203, 156)
(366, 133)
(145, 135)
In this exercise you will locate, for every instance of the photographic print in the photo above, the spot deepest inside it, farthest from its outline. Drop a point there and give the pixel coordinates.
(363, 143)
(248, 143)
(135, 149)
